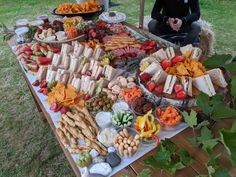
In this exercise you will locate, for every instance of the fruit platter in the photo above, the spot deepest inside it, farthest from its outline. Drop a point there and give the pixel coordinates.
(113, 95)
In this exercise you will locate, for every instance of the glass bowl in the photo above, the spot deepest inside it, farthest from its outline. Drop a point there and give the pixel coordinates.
(122, 126)
(141, 112)
(127, 146)
(153, 137)
(170, 124)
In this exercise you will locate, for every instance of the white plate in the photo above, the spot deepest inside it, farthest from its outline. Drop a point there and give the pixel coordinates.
(120, 17)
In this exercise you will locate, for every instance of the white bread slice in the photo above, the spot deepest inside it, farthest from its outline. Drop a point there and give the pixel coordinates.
(56, 60)
(99, 71)
(86, 84)
(51, 76)
(73, 64)
(204, 84)
(187, 83)
(88, 52)
(152, 69)
(196, 53)
(217, 77)
(78, 49)
(159, 77)
(160, 55)
(186, 48)
(169, 84)
(98, 52)
(64, 78)
(42, 73)
(85, 68)
(92, 87)
(66, 49)
(111, 73)
(170, 53)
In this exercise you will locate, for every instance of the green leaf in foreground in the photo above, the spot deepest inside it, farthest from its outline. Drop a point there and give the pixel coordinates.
(190, 119)
(168, 158)
(233, 91)
(145, 173)
(202, 124)
(222, 111)
(203, 101)
(217, 61)
(231, 68)
(229, 140)
(221, 172)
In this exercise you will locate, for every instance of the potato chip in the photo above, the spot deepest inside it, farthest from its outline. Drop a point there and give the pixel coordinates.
(67, 96)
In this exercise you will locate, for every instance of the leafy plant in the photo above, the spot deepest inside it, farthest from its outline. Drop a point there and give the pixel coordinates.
(205, 139)
(145, 173)
(169, 158)
(228, 138)
(190, 119)
(214, 107)
(216, 61)
(233, 90)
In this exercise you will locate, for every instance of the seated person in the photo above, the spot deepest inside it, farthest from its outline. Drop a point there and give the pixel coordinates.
(175, 17)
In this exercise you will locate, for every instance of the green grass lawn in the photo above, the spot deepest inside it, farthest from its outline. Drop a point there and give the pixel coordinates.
(28, 147)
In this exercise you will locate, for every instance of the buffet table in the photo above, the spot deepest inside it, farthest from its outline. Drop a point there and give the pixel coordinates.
(179, 138)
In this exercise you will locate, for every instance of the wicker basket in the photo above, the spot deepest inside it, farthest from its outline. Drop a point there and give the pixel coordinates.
(59, 43)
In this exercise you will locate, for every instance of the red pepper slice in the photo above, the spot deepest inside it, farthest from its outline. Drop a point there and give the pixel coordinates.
(156, 139)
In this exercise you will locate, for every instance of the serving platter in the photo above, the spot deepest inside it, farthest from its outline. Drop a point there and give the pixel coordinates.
(85, 15)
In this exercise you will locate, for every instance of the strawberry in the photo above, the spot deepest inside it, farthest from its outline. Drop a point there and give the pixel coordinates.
(59, 107)
(41, 90)
(64, 110)
(43, 84)
(53, 106)
(36, 83)
(45, 91)
(152, 43)
(145, 77)
(158, 89)
(165, 64)
(177, 59)
(151, 86)
(181, 95)
(86, 97)
(178, 88)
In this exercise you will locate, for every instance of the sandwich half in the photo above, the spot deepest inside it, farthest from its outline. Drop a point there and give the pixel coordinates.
(159, 77)
(187, 83)
(217, 77)
(152, 69)
(204, 84)
(169, 84)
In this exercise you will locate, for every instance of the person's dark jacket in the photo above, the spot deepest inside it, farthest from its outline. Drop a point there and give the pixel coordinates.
(187, 10)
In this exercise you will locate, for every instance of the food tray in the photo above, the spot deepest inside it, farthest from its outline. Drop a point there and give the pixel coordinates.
(85, 15)
(59, 43)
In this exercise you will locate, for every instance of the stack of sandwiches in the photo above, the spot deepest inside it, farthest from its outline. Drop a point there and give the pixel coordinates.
(206, 83)
(79, 66)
